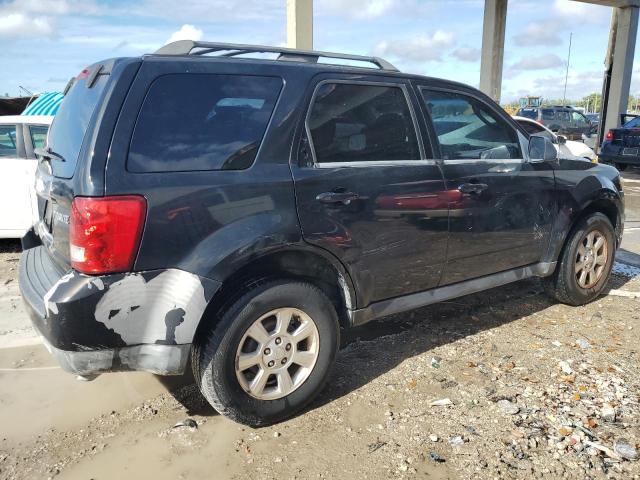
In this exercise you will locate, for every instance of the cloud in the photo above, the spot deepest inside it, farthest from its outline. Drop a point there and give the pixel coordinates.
(549, 60)
(360, 9)
(15, 25)
(186, 32)
(578, 12)
(544, 32)
(418, 48)
(467, 54)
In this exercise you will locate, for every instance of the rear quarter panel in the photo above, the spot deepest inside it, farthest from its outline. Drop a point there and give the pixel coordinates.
(212, 222)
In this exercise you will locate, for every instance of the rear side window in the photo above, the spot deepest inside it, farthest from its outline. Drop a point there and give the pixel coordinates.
(38, 135)
(72, 121)
(202, 122)
(360, 123)
(8, 138)
(548, 114)
(468, 129)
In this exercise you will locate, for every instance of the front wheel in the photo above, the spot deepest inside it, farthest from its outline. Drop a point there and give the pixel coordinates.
(585, 263)
(270, 353)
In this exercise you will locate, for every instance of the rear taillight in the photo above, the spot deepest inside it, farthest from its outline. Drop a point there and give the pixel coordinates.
(609, 135)
(104, 233)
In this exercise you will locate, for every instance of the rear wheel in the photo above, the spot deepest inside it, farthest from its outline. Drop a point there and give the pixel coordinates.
(269, 354)
(585, 263)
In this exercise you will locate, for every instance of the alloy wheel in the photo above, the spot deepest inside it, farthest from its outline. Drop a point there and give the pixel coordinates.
(591, 259)
(277, 353)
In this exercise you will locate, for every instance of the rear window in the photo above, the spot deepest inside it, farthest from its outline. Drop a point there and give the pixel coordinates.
(531, 113)
(202, 122)
(548, 114)
(71, 122)
(633, 123)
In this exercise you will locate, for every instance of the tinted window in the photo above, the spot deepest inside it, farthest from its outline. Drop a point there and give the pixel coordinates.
(202, 122)
(8, 140)
(467, 128)
(563, 116)
(548, 114)
(71, 123)
(38, 135)
(358, 123)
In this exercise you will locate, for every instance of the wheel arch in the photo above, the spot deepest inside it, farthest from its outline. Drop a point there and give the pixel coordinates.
(300, 262)
(607, 202)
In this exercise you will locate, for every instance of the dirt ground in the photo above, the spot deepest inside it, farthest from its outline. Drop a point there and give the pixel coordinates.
(501, 384)
(528, 386)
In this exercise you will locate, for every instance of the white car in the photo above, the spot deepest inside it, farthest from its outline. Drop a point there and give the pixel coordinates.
(567, 149)
(19, 136)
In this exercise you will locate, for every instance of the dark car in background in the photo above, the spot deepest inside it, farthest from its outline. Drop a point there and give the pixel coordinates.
(565, 121)
(621, 146)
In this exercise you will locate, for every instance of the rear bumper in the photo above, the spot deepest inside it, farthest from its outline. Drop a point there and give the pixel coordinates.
(612, 153)
(133, 321)
(625, 159)
(158, 359)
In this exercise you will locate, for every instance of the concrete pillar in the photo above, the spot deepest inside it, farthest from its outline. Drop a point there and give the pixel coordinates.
(622, 64)
(300, 24)
(495, 20)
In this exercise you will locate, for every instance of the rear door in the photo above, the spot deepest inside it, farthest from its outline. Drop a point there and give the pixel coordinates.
(503, 218)
(15, 183)
(365, 190)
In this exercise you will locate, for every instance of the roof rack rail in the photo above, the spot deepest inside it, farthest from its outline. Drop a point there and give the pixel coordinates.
(187, 47)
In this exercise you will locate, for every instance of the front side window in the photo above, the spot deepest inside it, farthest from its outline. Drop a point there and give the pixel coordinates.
(8, 138)
(38, 135)
(563, 116)
(360, 123)
(469, 129)
(193, 122)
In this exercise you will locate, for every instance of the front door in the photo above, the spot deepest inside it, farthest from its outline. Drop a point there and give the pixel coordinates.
(365, 191)
(503, 218)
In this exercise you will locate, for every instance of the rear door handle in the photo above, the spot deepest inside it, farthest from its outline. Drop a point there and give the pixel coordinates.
(473, 187)
(345, 198)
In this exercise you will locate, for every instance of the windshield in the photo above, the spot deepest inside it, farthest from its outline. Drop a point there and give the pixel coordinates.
(71, 122)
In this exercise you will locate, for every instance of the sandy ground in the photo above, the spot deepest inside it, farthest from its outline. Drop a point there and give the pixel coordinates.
(528, 388)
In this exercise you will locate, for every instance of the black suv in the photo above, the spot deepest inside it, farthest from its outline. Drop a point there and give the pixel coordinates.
(197, 203)
(565, 121)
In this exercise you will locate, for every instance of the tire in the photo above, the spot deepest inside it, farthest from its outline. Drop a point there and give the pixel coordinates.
(621, 166)
(214, 356)
(564, 284)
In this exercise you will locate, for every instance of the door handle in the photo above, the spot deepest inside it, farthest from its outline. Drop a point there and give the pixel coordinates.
(473, 187)
(345, 198)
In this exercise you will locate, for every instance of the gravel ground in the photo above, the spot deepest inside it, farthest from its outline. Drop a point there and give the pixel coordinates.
(503, 384)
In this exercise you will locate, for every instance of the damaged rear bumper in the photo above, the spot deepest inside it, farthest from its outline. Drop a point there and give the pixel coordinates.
(128, 321)
(158, 359)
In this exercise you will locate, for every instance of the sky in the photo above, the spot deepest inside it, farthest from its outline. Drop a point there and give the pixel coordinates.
(45, 42)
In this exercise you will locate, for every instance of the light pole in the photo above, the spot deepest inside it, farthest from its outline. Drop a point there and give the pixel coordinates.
(566, 77)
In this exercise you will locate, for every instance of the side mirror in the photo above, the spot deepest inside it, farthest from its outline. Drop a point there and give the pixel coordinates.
(561, 139)
(541, 149)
